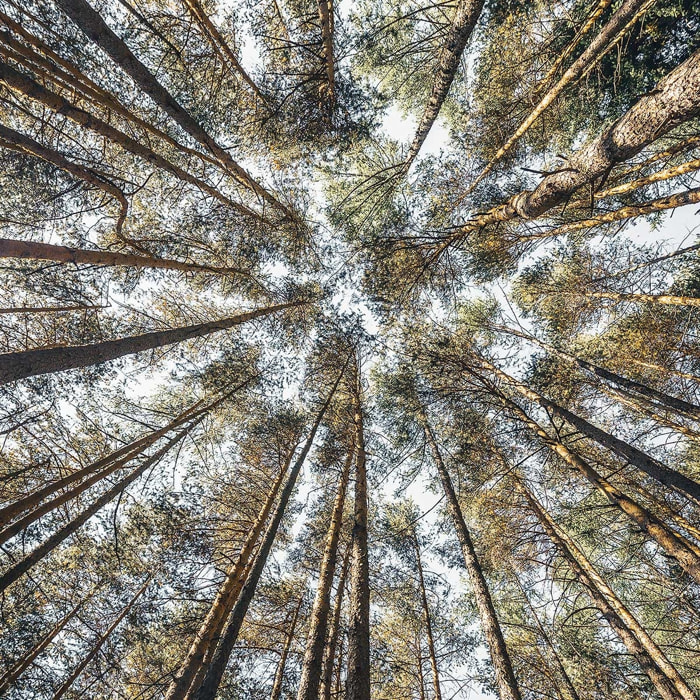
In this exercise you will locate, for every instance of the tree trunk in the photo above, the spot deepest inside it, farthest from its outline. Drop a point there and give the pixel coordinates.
(505, 677)
(96, 29)
(655, 469)
(608, 36)
(326, 17)
(465, 18)
(29, 363)
(29, 250)
(100, 642)
(9, 678)
(219, 660)
(276, 693)
(210, 630)
(332, 637)
(427, 620)
(28, 561)
(318, 624)
(640, 645)
(670, 299)
(357, 686)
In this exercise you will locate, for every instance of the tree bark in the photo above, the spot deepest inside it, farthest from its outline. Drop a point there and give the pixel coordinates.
(357, 686)
(670, 299)
(326, 17)
(219, 660)
(505, 676)
(276, 693)
(662, 673)
(463, 22)
(318, 625)
(29, 363)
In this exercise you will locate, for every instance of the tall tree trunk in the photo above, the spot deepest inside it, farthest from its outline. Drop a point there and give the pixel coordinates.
(96, 29)
(217, 665)
(505, 677)
(29, 363)
(29, 250)
(427, 620)
(33, 90)
(326, 17)
(333, 633)
(659, 368)
(608, 36)
(650, 466)
(674, 543)
(463, 22)
(276, 693)
(10, 678)
(65, 686)
(675, 100)
(641, 646)
(210, 630)
(36, 555)
(419, 666)
(357, 686)
(670, 299)
(318, 624)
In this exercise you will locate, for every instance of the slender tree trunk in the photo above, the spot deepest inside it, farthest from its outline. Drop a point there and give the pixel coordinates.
(428, 621)
(505, 677)
(36, 555)
(659, 176)
(29, 363)
(10, 678)
(670, 299)
(332, 637)
(358, 670)
(318, 625)
(219, 660)
(210, 630)
(276, 693)
(100, 642)
(96, 29)
(655, 469)
(610, 34)
(673, 543)
(33, 90)
(419, 666)
(659, 368)
(463, 22)
(326, 17)
(666, 679)
(29, 250)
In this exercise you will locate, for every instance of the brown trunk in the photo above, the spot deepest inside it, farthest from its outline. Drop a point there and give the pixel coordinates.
(332, 637)
(419, 667)
(36, 555)
(659, 368)
(505, 677)
(326, 17)
(357, 686)
(670, 299)
(210, 629)
(29, 363)
(318, 624)
(100, 642)
(96, 29)
(463, 22)
(641, 646)
(427, 620)
(276, 693)
(28, 250)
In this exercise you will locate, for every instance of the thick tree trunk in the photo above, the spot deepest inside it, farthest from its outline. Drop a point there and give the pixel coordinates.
(36, 555)
(505, 677)
(675, 100)
(276, 693)
(33, 90)
(662, 673)
(96, 29)
(318, 624)
(209, 631)
(29, 363)
(217, 665)
(9, 678)
(326, 17)
(29, 250)
(655, 469)
(65, 686)
(427, 620)
(612, 32)
(357, 686)
(333, 633)
(465, 18)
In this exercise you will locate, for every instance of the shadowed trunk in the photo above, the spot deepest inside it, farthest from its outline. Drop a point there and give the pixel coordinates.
(276, 693)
